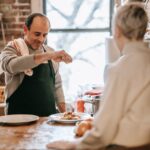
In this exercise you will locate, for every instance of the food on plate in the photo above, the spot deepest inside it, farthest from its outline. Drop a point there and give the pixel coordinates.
(83, 126)
(70, 116)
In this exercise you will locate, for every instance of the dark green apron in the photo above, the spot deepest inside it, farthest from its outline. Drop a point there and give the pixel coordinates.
(36, 94)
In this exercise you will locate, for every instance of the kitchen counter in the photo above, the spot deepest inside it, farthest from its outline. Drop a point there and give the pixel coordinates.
(34, 136)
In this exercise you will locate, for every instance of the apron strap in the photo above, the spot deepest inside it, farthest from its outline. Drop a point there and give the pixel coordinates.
(52, 72)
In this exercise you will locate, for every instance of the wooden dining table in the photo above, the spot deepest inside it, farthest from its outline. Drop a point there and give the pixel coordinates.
(34, 136)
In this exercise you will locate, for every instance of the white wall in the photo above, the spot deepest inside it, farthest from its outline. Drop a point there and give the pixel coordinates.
(37, 6)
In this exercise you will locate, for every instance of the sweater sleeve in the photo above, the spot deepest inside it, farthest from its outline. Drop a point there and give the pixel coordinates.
(12, 63)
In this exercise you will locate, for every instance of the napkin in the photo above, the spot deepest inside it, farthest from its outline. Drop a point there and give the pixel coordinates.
(23, 50)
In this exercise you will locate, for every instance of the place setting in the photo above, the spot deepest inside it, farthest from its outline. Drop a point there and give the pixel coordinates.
(68, 117)
(18, 119)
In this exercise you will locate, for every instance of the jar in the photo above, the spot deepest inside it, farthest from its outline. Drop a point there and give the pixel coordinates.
(79, 104)
(94, 100)
(95, 103)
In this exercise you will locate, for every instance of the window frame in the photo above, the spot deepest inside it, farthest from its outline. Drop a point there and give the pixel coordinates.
(108, 29)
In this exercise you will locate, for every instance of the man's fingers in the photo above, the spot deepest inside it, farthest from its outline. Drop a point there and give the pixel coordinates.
(67, 59)
(59, 56)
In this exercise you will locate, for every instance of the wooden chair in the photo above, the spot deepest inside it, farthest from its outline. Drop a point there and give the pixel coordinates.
(2, 101)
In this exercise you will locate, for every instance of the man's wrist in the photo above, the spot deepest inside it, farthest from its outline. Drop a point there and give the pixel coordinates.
(40, 58)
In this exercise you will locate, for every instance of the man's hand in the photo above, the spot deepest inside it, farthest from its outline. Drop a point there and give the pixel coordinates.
(64, 107)
(61, 56)
(61, 107)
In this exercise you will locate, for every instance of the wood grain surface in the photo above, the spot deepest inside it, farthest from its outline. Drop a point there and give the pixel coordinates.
(34, 136)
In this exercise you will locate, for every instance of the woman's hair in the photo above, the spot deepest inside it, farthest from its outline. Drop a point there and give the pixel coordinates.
(136, 0)
(29, 19)
(132, 20)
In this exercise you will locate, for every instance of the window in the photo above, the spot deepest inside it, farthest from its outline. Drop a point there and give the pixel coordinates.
(80, 27)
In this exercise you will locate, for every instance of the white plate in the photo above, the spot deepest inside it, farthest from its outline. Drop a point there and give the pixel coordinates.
(57, 118)
(18, 119)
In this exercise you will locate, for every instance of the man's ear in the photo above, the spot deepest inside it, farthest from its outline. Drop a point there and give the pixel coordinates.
(25, 29)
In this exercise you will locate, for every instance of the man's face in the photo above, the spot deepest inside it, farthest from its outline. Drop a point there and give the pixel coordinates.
(36, 35)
